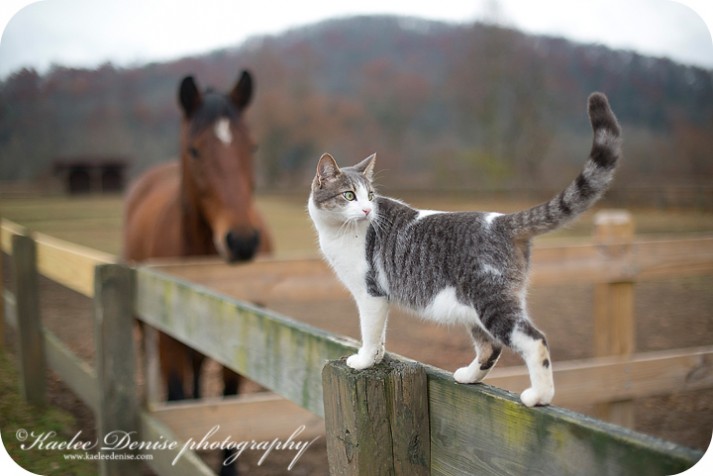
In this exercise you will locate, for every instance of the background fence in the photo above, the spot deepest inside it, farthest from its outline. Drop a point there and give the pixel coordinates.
(401, 417)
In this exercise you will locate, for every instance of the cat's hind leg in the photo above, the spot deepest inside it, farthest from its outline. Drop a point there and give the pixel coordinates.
(373, 312)
(487, 353)
(531, 344)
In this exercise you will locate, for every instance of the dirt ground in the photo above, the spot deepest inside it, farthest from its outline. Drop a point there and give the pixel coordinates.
(670, 314)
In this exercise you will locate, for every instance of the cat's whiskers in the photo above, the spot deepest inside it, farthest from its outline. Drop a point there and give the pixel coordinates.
(349, 226)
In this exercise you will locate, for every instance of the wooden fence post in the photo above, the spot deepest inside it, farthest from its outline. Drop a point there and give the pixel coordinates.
(31, 346)
(614, 322)
(377, 419)
(115, 359)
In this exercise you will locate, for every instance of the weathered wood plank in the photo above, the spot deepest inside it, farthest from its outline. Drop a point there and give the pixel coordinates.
(377, 419)
(263, 279)
(279, 353)
(31, 343)
(576, 263)
(477, 429)
(69, 264)
(650, 259)
(166, 460)
(656, 259)
(77, 374)
(601, 380)
(243, 418)
(115, 361)
(8, 229)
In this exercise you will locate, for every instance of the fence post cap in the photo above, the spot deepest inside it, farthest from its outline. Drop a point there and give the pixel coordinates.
(612, 217)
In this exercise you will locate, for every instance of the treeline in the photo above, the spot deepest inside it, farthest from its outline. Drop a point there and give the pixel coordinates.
(442, 105)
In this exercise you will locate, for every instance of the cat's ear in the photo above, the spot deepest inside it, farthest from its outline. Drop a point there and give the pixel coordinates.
(327, 169)
(366, 167)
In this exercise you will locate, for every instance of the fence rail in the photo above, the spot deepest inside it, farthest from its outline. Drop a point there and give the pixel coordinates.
(470, 428)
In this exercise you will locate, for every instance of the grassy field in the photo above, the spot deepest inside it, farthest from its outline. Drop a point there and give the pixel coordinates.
(16, 416)
(96, 221)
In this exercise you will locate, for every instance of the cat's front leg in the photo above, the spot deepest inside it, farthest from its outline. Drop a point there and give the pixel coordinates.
(373, 312)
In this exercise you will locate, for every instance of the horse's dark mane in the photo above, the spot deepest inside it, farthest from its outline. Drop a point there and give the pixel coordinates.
(215, 105)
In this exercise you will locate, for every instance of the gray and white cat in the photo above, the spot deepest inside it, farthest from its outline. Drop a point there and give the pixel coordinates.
(464, 267)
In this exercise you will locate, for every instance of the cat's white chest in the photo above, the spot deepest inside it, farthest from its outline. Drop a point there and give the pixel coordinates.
(346, 253)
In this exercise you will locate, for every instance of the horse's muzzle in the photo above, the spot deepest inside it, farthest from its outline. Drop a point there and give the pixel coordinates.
(241, 246)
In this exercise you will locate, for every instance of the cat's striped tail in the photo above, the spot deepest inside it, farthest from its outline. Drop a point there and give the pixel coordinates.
(589, 185)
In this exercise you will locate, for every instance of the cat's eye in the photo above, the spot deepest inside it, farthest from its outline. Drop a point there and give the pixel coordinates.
(351, 196)
(371, 196)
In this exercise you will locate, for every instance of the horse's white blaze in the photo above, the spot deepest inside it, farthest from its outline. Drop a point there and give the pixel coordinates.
(222, 131)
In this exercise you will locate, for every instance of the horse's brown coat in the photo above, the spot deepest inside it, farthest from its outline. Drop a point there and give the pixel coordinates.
(200, 205)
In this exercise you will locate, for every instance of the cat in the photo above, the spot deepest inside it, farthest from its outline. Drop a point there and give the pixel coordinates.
(450, 267)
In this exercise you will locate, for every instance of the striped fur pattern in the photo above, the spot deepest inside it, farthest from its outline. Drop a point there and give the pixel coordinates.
(467, 267)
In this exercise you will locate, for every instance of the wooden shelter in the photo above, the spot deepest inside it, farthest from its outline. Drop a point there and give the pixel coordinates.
(91, 174)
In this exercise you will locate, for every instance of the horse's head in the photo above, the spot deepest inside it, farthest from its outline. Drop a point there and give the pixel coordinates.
(217, 164)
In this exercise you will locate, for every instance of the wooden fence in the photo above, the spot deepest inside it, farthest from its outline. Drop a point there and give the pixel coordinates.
(401, 417)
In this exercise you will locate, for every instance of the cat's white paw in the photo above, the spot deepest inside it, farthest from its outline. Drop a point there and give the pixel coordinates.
(465, 375)
(469, 374)
(360, 361)
(532, 397)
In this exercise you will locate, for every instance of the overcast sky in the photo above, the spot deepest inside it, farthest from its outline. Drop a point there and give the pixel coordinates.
(86, 33)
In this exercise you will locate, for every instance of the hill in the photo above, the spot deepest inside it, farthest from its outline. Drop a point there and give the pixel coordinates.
(442, 105)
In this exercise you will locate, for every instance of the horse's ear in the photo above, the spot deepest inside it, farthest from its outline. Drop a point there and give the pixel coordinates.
(189, 96)
(242, 91)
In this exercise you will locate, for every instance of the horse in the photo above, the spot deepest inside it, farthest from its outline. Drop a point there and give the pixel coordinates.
(200, 205)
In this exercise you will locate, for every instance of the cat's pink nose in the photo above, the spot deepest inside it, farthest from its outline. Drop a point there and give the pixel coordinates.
(366, 211)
